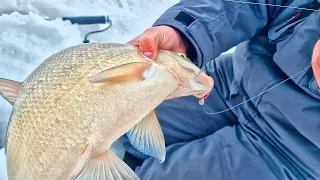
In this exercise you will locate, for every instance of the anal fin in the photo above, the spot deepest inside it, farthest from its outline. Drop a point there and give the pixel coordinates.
(107, 167)
(147, 137)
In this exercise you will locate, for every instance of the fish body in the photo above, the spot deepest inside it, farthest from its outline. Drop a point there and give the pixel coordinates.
(71, 108)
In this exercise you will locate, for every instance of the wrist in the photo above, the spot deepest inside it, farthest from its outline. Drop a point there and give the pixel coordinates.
(189, 49)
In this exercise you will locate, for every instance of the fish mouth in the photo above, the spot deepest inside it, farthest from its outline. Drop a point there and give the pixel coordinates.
(200, 87)
(204, 85)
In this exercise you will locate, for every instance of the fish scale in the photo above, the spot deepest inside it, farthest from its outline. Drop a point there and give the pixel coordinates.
(63, 123)
(50, 85)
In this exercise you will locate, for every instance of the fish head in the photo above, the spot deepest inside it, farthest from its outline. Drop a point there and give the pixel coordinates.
(192, 80)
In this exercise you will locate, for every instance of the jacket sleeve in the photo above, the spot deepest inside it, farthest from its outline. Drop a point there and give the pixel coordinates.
(213, 26)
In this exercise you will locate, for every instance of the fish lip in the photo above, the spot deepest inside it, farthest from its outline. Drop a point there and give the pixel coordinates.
(200, 86)
(207, 82)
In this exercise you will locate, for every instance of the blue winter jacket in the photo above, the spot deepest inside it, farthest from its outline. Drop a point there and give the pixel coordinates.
(286, 121)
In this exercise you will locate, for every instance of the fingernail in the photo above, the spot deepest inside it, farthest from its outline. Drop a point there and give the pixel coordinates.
(148, 54)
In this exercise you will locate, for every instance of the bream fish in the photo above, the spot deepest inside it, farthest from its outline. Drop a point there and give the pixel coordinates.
(73, 106)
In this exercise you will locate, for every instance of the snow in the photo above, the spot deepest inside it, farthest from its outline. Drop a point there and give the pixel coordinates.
(32, 30)
(3, 171)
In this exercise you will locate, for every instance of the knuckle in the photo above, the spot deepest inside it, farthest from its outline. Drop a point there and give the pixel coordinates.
(150, 31)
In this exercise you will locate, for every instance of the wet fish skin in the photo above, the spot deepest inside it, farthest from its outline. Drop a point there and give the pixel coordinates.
(62, 121)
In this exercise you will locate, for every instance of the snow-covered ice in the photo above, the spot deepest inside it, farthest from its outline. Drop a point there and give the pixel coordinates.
(3, 171)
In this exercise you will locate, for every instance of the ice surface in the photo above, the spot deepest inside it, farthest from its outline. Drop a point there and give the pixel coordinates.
(3, 171)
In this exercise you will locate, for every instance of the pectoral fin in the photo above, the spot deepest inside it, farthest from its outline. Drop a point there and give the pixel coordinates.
(9, 89)
(147, 137)
(107, 166)
(123, 73)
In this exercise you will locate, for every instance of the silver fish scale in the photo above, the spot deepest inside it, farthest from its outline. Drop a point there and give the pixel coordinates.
(58, 109)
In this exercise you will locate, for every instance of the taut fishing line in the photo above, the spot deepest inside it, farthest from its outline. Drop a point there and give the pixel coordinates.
(202, 102)
(256, 95)
(265, 4)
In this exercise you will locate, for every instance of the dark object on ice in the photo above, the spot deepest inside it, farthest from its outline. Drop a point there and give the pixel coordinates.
(85, 20)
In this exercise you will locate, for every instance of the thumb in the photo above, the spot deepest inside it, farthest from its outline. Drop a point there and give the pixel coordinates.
(316, 62)
(149, 42)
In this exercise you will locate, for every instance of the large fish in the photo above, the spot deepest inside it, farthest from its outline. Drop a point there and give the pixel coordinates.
(70, 109)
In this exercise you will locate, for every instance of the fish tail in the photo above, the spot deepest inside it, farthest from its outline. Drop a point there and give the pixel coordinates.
(9, 89)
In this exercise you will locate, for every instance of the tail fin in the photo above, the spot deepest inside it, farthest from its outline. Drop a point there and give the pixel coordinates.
(9, 89)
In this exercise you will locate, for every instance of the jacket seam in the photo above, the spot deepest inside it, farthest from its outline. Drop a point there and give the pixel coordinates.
(266, 87)
(224, 157)
(224, 13)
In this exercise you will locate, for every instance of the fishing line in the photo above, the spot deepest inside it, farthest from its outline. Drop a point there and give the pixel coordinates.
(266, 4)
(201, 102)
(203, 106)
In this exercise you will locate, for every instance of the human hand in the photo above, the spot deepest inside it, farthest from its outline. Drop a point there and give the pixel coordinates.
(316, 62)
(160, 37)
(167, 38)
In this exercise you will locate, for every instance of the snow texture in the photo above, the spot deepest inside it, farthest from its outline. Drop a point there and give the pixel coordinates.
(3, 170)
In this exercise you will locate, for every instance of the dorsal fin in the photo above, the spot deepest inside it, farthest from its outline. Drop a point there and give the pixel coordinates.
(9, 89)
